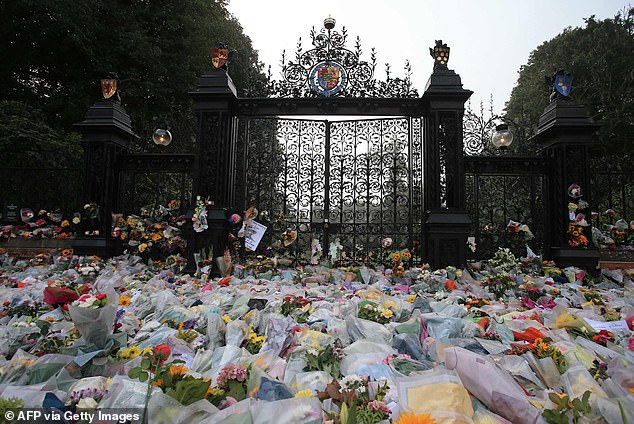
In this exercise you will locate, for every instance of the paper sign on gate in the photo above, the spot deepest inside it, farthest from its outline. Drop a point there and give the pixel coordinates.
(253, 235)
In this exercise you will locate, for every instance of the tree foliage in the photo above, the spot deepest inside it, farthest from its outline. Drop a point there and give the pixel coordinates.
(600, 55)
(54, 54)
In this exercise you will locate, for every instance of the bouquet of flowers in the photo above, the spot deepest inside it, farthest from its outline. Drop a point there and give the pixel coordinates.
(373, 312)
(232, 379)
(298, 306)
(498, 284)
(326, 359)
(94, 316)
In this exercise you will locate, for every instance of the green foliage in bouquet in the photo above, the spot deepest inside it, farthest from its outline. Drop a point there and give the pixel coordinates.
(498, 285)
(373, 312)
(504, 260)
(291, 304)
(567, 408)
(327, 359)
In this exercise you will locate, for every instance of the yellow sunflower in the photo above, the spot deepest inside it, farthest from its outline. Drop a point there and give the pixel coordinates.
(412, 418)
(178, 369)
(124, 300)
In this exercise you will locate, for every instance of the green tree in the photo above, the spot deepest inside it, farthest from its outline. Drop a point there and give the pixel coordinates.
(600, 55)
(54, 53)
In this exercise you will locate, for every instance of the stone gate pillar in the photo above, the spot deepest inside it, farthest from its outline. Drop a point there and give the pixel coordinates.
(106, 135)
(565, 135)
(446, 225)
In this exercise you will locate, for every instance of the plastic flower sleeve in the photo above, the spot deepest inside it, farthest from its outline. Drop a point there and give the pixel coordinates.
(237, 331)
(314, 380)
(88, 383)
(442, 327)
(359, 328)
(126, 392)
(47, 366)
(577, 380)
(95, 325)
(486, 381)
(157, 335)
(239, 413)
(437, 392)
(15, 371)
(163, 409)
(33, 395)
(278, 334)
(289, 411)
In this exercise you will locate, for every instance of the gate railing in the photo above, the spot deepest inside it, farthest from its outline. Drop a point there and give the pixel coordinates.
(359, 181)
(42, 188)
(150, 180)
(502, 189)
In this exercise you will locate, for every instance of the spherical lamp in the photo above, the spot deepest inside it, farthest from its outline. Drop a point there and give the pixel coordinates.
(162, 137)
(502, 138)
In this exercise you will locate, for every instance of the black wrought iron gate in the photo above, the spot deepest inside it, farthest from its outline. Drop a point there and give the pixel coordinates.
(359, 181)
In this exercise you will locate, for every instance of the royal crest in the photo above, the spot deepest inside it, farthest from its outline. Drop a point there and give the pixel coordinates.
(440, 53)
(563, 84)
(328, 78)
(108, 88)
(219, 57)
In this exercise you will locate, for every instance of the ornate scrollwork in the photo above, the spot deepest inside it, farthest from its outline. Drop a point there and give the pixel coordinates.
(328, 69)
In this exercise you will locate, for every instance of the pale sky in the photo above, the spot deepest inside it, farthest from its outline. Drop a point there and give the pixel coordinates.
(489, 39)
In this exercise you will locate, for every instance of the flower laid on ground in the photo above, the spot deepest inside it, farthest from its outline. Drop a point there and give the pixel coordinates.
(498, 284)
(373, 312)
(129, 352)
(327, 359)
(306, 393)
(299, 306)
(503, 260)
(86, 398)
(253, 343)
(232, 379)
(567, 409)
(96, 301)
(412, 418)
(124, 300)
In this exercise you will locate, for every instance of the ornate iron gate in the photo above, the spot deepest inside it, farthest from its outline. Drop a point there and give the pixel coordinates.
(358, 181)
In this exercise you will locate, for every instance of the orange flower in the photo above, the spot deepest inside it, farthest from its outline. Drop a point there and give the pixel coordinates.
(65, 223)
(67, 252)
(178, 370)
(412, 418)
(156, 237)
(21, 284)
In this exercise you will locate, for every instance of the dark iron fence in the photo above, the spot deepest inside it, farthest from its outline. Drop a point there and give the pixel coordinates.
(357, 181)
(504, 189)
(50, 189)
(613, 200)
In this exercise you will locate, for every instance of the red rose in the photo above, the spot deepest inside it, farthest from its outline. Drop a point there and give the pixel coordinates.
(6, 303)
(161, 353)
(100, 296)
(450, 285)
